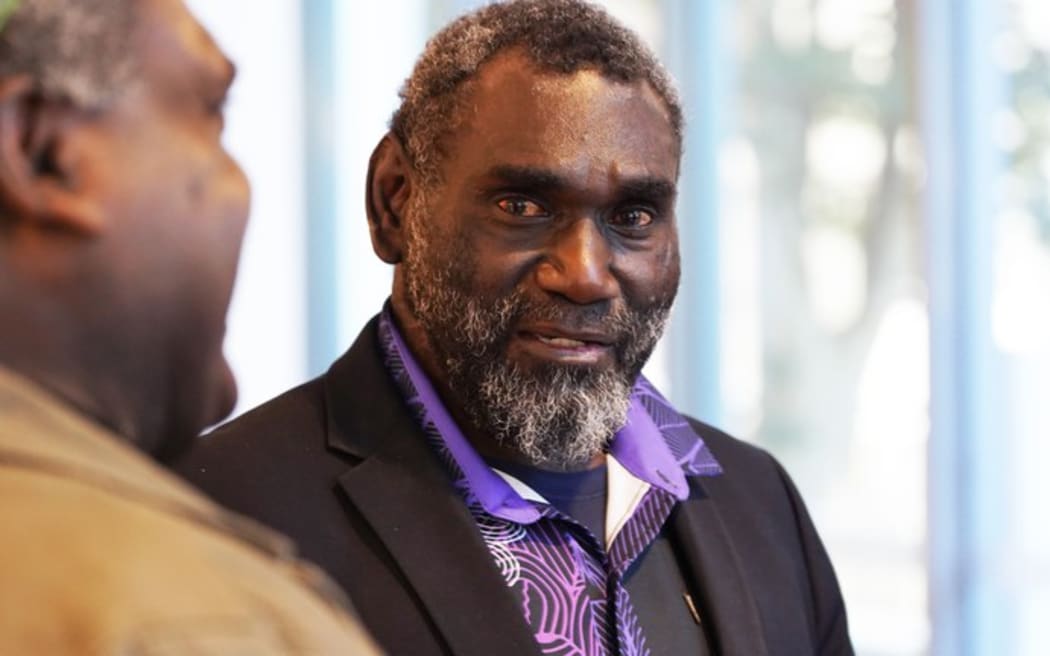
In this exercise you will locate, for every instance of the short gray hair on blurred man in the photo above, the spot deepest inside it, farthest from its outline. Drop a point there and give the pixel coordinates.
(75, 50)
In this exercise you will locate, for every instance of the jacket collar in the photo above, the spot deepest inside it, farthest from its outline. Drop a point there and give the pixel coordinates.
(402, 490)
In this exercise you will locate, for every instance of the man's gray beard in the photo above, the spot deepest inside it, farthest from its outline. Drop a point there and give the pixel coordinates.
(556, 415)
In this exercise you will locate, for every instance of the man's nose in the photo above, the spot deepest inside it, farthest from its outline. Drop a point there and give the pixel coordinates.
(578, 264)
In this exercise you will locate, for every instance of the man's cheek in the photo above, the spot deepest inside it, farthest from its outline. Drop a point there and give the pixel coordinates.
(664, 285)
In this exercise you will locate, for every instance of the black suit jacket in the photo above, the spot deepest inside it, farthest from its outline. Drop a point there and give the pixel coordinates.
(341, 466)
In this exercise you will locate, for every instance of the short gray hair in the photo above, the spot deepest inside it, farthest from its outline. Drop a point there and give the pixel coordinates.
(562, 36)
(75, 50)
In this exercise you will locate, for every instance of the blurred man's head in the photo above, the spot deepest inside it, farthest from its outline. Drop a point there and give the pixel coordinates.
(527, 194)
(121, 215)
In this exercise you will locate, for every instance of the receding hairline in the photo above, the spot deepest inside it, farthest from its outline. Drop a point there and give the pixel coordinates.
(520, 56)
(530, 64)
(462, 92)
(559, 36)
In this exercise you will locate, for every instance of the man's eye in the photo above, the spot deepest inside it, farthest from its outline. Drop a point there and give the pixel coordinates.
(521, 207)
(634, 218)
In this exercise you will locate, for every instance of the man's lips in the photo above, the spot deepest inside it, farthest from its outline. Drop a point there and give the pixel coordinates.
(563, 342)
(559, 336)
(566, 345)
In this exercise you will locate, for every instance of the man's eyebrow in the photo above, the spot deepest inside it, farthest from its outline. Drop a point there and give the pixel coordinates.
(526, 177)
(648, 188)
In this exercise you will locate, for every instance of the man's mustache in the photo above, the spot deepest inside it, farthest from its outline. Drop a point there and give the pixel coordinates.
(605, 316)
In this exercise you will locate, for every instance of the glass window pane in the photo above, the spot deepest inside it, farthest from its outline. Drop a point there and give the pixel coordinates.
(824, 310)
(1021, 311)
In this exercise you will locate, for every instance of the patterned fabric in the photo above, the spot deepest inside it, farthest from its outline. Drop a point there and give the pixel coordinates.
(570, 586)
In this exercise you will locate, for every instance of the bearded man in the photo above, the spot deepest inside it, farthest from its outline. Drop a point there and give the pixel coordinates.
(485, 471)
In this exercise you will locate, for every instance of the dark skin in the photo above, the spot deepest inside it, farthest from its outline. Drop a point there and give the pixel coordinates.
(121, 229)
(562, 186)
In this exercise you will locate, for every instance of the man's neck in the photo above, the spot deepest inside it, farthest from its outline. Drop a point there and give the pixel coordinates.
(62, 388)
(41, 351)
(493, 450)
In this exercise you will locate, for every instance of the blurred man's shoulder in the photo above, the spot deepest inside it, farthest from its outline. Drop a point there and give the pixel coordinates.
(112, 552)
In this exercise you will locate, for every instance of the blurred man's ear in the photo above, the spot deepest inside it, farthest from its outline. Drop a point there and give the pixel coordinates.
(389, 187)
(38, 185)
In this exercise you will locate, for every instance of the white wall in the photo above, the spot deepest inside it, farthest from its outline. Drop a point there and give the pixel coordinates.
(266, 341)
(374, 53)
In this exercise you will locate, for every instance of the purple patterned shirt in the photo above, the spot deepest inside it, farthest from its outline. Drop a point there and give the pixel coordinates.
(569, 582)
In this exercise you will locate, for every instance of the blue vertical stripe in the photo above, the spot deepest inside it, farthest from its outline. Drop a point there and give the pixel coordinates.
(698, 58)
(321, 216)
(968, 519)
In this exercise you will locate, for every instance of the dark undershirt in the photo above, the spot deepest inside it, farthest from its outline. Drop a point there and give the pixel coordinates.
(654, 580)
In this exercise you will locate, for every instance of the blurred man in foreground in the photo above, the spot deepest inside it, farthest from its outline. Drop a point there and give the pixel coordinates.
(485, 471)
(121, 218)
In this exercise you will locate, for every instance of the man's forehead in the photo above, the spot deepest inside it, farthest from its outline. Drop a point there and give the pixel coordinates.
(514, 65)
(518, 113)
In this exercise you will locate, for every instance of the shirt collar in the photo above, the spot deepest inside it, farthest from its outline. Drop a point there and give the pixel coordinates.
(656, 444)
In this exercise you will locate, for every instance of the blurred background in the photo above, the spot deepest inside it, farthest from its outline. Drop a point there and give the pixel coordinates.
(865, 224)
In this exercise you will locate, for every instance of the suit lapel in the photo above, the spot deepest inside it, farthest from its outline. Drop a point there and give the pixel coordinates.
(402, 490)
(733, 621)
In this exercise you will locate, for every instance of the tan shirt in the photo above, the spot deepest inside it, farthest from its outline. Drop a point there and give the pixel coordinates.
(104, 552)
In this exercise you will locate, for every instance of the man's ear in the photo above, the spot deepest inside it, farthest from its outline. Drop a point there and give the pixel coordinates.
(38, 181)
(389, 187)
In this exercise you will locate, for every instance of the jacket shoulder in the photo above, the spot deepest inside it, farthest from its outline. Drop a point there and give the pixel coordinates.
(262, 461)
(298, 407)
(751, 479)
(734, 454)
(764, 512)
(284, 426)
